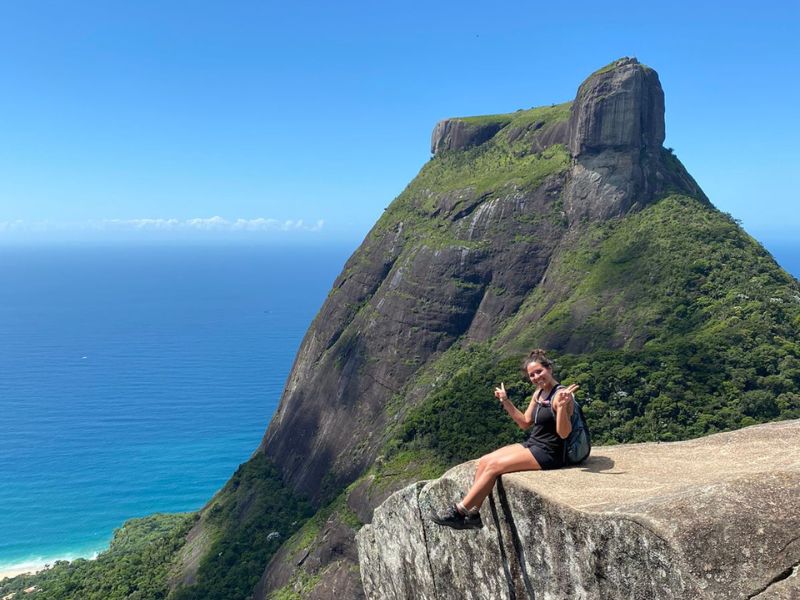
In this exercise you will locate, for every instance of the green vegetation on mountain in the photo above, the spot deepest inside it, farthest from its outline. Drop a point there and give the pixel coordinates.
(298, 589)
(250, 518)
(713, 342)
(505, 163)
(543, 115)
(486, 169)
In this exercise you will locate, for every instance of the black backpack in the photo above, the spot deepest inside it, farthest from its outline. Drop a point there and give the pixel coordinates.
(579, 442)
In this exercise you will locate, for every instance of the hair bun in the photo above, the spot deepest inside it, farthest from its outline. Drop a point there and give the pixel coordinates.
(537, 354)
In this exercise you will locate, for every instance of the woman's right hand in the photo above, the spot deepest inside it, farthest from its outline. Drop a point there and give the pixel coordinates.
(500, 393)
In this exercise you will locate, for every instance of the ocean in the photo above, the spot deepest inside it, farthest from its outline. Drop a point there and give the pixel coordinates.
(134, 380)
(786, 252)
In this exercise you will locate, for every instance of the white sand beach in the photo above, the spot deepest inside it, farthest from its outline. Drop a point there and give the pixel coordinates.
(14, 570)
(36, 565)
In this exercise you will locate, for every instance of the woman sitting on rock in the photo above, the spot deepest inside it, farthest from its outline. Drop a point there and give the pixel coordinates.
(550, 414)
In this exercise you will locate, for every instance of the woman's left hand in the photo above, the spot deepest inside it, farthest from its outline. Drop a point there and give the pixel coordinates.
(564, 395)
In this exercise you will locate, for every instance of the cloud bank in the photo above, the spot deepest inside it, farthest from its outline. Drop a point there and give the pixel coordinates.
(209, 225)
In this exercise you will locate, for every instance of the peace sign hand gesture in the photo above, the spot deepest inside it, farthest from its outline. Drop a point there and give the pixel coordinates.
(564, 395)
(500, 393)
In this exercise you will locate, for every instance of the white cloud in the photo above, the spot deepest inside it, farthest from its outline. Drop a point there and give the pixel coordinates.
(210, 224)
(199, 224)
(11, 226)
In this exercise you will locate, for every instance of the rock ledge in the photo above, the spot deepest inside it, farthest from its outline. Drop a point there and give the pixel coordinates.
(716, 517)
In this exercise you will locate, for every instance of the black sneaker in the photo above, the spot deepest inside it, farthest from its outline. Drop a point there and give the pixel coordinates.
(452, 518)
(473, 520)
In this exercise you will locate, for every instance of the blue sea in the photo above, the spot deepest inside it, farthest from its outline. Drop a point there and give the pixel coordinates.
(786, 252)
(134, 380)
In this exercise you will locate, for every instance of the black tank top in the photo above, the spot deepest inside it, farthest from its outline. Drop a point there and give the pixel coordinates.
(543, 433)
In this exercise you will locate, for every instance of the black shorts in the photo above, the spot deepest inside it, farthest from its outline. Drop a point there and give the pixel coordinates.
(546, 459)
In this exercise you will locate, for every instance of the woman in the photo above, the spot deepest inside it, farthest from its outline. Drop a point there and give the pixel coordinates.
(550, 414)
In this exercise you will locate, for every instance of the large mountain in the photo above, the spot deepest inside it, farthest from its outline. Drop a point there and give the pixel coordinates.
(568, 227)
(459, 252)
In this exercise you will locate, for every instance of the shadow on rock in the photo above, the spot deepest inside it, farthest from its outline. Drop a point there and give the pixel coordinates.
(598, 464)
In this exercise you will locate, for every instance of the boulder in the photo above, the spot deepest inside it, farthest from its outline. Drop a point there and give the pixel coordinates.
(618, 107)
(715, 517)
(616, 129)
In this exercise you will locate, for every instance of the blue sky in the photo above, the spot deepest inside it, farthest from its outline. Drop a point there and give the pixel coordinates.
(303, 120)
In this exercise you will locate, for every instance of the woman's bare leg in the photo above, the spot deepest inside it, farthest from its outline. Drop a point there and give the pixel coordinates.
(488, 458)
(508, 459)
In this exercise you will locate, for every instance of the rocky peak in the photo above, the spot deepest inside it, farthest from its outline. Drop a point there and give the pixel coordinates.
(614, 135)
(618, 107)
(616, 132)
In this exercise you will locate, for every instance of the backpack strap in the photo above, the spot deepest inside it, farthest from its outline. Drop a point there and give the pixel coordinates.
(556, 387)
(547, 402)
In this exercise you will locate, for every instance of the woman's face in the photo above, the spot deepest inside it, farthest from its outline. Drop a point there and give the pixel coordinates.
(539, 375)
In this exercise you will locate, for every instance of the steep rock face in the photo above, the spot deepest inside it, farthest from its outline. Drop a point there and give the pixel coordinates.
(616, 132)
(674, 520)
(620, 107)
(399, 301)
(458, 134)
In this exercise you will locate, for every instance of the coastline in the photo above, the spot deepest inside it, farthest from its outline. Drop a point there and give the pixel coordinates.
(37, 565)
(29, 568)
(65, 441)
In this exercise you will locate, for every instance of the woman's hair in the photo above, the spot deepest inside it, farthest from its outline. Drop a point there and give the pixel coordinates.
(539, 356)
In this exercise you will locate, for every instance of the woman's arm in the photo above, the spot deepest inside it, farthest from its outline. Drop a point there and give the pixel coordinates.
(563, 405)
(529, 412)
(523, 420)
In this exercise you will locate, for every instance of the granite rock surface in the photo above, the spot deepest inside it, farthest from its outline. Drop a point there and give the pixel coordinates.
(458, 134)
(616, 132)
(716, 517)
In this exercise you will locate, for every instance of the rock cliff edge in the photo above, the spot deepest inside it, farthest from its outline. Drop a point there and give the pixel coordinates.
(716, 517)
